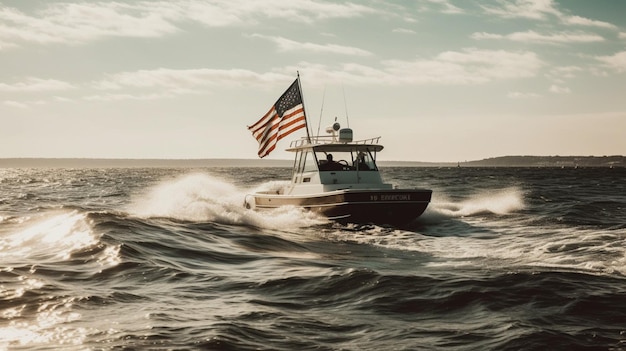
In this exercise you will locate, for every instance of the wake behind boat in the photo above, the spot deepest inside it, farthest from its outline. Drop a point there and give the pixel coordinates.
(333, 175)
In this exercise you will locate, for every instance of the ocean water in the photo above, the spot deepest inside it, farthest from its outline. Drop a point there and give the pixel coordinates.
(168, 259)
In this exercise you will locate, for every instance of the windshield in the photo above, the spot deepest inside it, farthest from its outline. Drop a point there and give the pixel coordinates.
(346, 161)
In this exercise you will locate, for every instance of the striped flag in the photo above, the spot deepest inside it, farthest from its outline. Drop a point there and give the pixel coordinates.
(284, 118)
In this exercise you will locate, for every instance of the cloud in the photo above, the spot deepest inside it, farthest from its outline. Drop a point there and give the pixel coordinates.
(403, 31)
(559, 89)
(560, 74)
(616, 62)
(15, 104)
(5, 46)
(32, 84)
(520, 95)
(532, 9)
(297, 11)
(443, 6)
(61, 99)
(466, 67)
(70, 23)
(285, 44)
(76, 23)
(184, 81)
(531, 36)
(540, 10)
(567, 71)
(491, 64)
(577, 20)
(137, 97)
(485, 35)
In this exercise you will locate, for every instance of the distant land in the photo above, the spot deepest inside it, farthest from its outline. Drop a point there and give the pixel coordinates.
(550, 161)
(503, 161)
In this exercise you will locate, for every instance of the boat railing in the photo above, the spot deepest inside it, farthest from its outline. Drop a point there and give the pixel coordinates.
(321, 140)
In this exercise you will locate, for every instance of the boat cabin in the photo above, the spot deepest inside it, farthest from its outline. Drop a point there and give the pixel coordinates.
(326, 164)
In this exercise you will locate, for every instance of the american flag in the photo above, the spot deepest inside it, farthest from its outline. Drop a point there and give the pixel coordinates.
(284, 118)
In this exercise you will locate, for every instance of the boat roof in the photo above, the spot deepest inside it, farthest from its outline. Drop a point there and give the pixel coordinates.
(329, 144)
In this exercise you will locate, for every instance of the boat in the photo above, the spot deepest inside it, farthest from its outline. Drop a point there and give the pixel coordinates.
(333, 175)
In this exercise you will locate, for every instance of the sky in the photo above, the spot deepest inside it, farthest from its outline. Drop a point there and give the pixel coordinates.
(438, 80)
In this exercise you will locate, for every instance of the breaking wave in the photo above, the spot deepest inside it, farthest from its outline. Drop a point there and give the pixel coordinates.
(499, 202)
(202, 197)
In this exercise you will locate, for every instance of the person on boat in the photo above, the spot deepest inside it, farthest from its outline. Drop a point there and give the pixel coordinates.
(330, 164)
(360, 163)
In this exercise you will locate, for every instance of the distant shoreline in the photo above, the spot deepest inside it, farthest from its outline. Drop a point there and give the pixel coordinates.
(503, 161)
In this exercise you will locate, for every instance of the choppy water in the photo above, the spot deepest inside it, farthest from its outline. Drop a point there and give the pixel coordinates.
(503, 259)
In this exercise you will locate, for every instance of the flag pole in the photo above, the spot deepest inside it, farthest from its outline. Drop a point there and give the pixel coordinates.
(306, 123)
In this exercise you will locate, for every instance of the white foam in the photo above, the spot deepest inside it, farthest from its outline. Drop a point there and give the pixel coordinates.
(202, 197)
(501, 202)
(53, 237)
(273, 186)
(194, 197)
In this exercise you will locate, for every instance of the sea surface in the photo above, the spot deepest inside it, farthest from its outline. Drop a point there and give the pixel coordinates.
(169, 259)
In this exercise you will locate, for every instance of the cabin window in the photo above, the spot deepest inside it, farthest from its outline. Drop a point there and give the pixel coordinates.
(346, 161)
(297, 167)
(334, 161)
(364, 162)
(309, 162)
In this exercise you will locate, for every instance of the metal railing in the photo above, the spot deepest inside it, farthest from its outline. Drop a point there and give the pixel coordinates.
(317, 140)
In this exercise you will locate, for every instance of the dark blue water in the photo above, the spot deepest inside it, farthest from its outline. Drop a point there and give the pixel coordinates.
(168, 259)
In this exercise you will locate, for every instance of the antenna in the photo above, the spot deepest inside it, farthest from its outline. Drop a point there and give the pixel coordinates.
(345, 104)
(321, 110)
